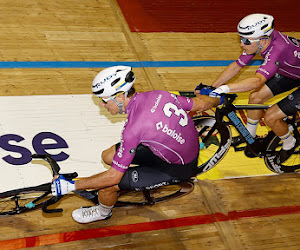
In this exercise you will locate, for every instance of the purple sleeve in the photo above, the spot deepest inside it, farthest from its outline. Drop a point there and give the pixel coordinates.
(186, 103)
(270, 66)
(244, 59)
(126, 151)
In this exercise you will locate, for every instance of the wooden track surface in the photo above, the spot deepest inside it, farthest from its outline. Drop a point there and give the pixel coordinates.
(90, 30)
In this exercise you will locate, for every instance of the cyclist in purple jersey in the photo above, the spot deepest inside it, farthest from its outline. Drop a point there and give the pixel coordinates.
(280, 72)
(160, 123)
(159, 137)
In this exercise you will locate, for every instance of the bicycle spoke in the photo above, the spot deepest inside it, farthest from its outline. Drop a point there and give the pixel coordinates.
(18, 203)
(292, 164)
(214, 142)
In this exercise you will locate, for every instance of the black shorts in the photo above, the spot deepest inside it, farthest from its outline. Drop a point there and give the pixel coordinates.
(151, 171)
(280, 84)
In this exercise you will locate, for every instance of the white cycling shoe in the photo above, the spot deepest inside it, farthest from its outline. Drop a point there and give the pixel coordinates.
(89, 214)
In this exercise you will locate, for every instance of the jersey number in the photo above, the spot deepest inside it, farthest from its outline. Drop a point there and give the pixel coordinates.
(171, 108)
(295, 41)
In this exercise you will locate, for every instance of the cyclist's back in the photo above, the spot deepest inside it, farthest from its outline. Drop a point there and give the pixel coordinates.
(158, 119)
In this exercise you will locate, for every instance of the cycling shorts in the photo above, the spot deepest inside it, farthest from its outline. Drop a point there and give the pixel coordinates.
(280, 84)
(151, 171)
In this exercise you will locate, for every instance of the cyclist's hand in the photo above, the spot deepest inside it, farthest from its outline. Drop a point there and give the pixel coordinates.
(203, 89)
(224, 89)
(61, 186)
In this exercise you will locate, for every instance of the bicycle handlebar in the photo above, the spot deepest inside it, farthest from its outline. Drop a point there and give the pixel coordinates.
(55, 171)
(228, 98)
(54, 166)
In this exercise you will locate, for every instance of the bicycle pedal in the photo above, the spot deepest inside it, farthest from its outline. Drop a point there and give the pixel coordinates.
(237, 140)
(236, 149)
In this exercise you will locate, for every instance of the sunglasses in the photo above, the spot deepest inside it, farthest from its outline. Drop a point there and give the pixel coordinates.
(246, 41)
(105, 100)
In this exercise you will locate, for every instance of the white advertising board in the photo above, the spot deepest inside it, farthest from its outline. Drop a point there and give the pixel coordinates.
(72, 128)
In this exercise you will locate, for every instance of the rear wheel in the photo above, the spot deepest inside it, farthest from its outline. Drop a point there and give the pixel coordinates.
(149, 197)
(292, 164)
(214, 139)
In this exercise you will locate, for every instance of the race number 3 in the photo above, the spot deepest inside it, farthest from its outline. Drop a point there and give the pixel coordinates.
(295, 41)
(171, 108)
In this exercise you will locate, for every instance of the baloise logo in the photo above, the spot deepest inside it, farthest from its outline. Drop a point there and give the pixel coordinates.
(170, 132)
(9, 143)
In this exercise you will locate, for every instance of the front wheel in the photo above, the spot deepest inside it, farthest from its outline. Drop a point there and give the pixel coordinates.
(214, 139)
(292, 164)
(24, 200)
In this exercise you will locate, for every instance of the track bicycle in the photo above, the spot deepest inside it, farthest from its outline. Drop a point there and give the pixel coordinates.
(40, 197)
(216, 137)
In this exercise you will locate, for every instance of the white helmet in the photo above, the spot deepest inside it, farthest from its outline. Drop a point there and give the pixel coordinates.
(256, 25)
(113, 80)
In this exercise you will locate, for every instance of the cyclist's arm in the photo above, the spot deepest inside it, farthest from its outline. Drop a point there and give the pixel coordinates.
(231, 71)
(203, 102)
(248, 84)
(105, 179)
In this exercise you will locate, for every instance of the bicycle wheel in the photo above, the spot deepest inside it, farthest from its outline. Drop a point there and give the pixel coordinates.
(292, 164)
(149, 197)
(215, 140)
(24, 199)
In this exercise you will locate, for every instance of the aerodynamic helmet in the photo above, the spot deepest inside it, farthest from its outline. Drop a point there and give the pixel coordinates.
(256, 25)
(113, 80)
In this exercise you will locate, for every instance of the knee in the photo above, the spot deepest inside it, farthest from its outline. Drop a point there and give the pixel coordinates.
(108, 191)
(256, 98)
(270, 118)
(107, 157)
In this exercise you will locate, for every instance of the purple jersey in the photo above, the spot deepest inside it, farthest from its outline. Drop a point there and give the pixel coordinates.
(158, 119)
(282, 56)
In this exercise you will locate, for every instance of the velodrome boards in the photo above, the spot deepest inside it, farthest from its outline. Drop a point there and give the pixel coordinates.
(51, 51)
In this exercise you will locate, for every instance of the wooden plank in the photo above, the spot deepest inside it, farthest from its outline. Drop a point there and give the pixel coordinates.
(136, 44)
(229, 235)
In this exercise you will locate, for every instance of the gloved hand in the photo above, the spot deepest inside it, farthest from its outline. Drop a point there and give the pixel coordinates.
(203, 89)
(224, 89)
(61, 186)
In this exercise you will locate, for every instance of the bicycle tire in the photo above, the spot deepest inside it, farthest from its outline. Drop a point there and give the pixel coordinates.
(24, 199)
(153, 196)
(215, 140)
(290, 165)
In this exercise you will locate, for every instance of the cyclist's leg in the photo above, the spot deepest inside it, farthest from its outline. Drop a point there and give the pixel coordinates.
(108, 196)
(276, 85)
(273, 118)
(259, 96)
(160, 174)
(143, 155)
(108, 154)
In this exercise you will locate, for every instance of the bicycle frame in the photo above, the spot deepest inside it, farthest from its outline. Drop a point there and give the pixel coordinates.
(229, 110)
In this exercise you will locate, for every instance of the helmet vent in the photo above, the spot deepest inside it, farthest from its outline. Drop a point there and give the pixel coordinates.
(115, 82)
(129, 77)
(263, 27)
(99, 92)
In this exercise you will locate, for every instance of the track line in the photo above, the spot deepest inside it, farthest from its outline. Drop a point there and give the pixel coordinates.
(52, 239)
(104, 64)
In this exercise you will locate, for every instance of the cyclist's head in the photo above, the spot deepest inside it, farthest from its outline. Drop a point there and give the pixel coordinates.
(256, 25)
(113, 80)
